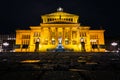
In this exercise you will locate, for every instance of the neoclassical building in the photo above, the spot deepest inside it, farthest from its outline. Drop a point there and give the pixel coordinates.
(60, 28)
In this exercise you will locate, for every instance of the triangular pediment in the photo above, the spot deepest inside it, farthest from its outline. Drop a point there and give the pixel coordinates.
(60, 16)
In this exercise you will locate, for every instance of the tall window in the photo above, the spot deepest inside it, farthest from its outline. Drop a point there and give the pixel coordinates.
(53, 41)
(25, 41)
(66, 41)
(37, 34)
(74, 34)
(82, 34)
(53, 34)
(26, 36)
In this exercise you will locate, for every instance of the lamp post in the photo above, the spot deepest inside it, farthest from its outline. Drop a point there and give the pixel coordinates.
(114, 44)
(5, 44)
(37, 45)
(82, 45)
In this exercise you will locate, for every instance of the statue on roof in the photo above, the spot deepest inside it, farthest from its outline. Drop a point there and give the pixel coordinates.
(60, 9)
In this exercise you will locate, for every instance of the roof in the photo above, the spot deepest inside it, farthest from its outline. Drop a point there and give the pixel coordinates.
(60, 12)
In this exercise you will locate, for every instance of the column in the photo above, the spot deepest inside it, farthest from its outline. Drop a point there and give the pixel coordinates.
(41, 39)
(71, 36)
(63, 36)
(56, 35)
(49, 36)
(78, 36)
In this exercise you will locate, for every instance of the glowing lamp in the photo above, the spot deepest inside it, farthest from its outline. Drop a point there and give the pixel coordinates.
(114, 44)
(5, 44)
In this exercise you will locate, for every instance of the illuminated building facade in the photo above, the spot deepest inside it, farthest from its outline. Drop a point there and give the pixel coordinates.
(60, 27)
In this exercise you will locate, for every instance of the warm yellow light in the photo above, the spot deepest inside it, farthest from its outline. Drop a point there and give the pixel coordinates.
(46, 39)
(53, 39)
(66, 39)
(30, 61)
(93, 40)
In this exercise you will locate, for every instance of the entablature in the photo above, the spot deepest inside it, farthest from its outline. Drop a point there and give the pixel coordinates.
(59, 25)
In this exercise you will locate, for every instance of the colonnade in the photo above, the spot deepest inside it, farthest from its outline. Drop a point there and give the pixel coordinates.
(67, 34)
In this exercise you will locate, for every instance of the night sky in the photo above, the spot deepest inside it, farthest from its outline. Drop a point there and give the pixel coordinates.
(20, 14)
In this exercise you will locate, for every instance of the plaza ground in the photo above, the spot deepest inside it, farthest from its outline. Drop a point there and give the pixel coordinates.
(51, 66)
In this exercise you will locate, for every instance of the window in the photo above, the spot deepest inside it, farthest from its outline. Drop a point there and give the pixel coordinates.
(82, 34)
(25, 41)
(37, 34)
(66, 34)
(53, 34)
(53, 41)
(66, 42)
(26, 36)
(71, 19)
(74, 42)
(74, 34)
(46, 42)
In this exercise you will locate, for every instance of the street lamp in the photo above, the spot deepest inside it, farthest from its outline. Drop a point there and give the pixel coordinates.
(82, 44)
(5, 44)
(114, 44)
(37, 45)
